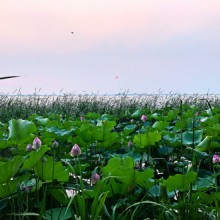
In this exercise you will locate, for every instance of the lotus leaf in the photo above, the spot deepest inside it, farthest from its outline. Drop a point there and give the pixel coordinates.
(50, 170)
(10, 168)
(34, 157)
(190, 137)
(181, 182)
(21, 130)
(147, 139)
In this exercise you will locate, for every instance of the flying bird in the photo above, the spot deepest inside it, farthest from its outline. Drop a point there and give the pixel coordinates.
(8, 77)
(72, 32)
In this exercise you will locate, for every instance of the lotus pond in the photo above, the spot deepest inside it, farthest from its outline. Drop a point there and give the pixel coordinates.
(145, 163)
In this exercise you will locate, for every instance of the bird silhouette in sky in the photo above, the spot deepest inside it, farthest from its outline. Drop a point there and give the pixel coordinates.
(72, 32)
(8, 77)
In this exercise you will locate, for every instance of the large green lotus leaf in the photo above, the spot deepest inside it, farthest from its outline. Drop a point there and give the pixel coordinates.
(155, 192)
(123, 176)
(137, 113)
(42, 121)
(110, 139)
(188, 137)
(147, 139)
(49, 170)
(107, 125)
(60, 132)
(216, 127)
(156, 116)
(54, 123)
(189, 113)
(180, 125)
(114, 163)
(34, 157)
(181, 182)
(92, 115)
(4, 144)
(160, 125)
(86, 132)
(201, 197)
(33, 184)
(21, 130)
(123, 170)
(12, 186)
(172, 139)
(99, 135)
(164, 150)
(60, 195)
(10, 168)
(205, 144)
(206, 183)
(130, 127)
(135, 154)
(103, 135)
(216, 196)
(107, 117)
(69, 124)
(144, 179)
(171, 115)
(79, 141)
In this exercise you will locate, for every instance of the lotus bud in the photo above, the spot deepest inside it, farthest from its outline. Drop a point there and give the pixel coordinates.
(132, 121)
(82, 118)
(55, 144)
(36, 143)
(95, 178)
(215, 158)
(29, 148)
(75, 151)
(143, 118)
(130, 144)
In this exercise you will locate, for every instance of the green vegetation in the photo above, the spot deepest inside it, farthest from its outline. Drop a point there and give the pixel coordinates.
(22, 106)
(121, 157)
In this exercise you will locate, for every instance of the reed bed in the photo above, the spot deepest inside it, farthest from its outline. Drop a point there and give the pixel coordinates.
(22, 106)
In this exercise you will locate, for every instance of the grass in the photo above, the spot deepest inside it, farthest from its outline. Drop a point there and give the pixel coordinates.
(20, 106)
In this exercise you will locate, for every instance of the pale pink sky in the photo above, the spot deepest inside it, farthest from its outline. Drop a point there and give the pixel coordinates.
(170, 45)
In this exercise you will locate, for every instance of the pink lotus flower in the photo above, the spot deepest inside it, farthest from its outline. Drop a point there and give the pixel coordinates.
(143, 118)
(75, 151)
(95, 178)
(36, 143)
(215, 158)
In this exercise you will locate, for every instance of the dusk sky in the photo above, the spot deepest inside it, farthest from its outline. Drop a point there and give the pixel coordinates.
(139, 46)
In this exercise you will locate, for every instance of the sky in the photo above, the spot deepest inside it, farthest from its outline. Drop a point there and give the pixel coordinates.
(110, 46)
